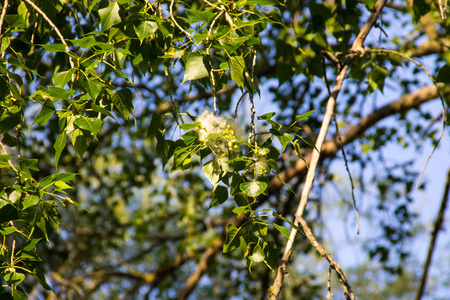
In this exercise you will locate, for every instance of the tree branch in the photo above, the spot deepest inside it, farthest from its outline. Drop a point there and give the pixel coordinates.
(202, 267)
(72, 64)
(434, 235)
(357, 47)
(329, 150)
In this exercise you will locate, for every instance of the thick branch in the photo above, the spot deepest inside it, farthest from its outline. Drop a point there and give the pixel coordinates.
(434, 235)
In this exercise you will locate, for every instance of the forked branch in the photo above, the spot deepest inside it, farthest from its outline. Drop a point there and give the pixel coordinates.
(357, 48)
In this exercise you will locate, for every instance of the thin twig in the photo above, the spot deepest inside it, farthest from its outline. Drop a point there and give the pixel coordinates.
(2, 18)
(333, 264)
(329, 283)
(175, 22)
(237, 104)
(9, 161)
(434, 235)
(252, 105)
(213, 5)
(339, 140)
(72, 64)
(340, 144)
(444, 118)
(213, 85)
(357, 47)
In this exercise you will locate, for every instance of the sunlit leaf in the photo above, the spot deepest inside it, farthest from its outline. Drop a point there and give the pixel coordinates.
(60, 143)
(253, 188)
(237, 66)
(109, 16)
(195, 68)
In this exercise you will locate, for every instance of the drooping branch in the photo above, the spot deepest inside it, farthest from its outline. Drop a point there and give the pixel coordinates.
(356, 48)
(434, 235)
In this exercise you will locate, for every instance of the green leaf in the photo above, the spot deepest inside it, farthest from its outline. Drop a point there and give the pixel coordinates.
(102, 110)
(200, 16)
(62, 78)
(91, 124)
(220, 196)
(271, 253)
(285, 139)
(213, 172)
(145, 29)
(259, 228)
(60, 143)
(241, 209)
(267, 116)
(30, 200)
(237, 66)
(123, 103)
(444, 74)
(8, 213)
(195, 68)
(376, 78)
(282, 229)
(109, 16)
(14, 278)
(61, 185)
(79, 141)
(66, 177)
(54, 47)
(232, 240)
(190, 137)
(93, 87)
(304, 116)
(41, 278)
(59, 93)
(7, 230)
(5, 157)
(42, 225)
(370, 3)
(254, 188)
(15, 21)
(258, 254)
(286, 220)
(262, 2)
(46, 112)
(189, 126)
(31, 163)
(30, 244)
(85, 43)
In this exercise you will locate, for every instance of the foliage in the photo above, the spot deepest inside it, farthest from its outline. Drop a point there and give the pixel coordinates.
(120, 108)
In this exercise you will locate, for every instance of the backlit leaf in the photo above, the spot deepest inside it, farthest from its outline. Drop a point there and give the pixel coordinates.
(195, 68)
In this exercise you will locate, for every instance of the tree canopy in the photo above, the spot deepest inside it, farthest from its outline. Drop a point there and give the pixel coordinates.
(170, 149)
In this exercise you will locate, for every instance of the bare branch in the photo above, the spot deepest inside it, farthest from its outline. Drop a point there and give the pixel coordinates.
(434, 235)
(333, 264)
(357, 47)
